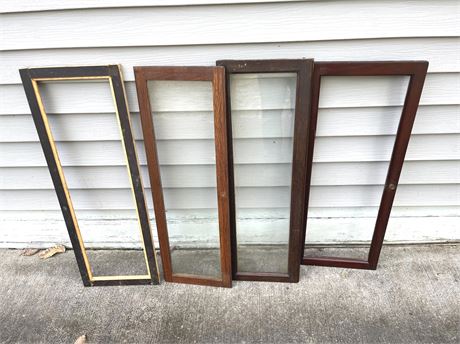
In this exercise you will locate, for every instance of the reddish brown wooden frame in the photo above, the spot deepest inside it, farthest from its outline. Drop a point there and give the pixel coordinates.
(217, 76)
(416, 70)
(303, 68)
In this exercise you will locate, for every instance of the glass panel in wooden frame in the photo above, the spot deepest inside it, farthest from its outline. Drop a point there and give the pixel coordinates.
(145, 78)
(295, 76)
(416, 70)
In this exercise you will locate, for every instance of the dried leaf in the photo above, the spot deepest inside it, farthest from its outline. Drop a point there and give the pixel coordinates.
(29, 252)
(49, 252)
(81, 340)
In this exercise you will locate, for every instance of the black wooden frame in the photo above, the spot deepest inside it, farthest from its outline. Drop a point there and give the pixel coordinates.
(304, 69)
(416, 70)
(30, 79)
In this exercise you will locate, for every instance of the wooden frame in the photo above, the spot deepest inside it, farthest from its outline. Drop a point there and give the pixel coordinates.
(30, 79)
(304, 69)
(416, 70)
(217, 76)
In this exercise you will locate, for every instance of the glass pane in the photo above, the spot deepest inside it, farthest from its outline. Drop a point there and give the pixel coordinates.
(183, 118)
(357, 123)
(262, 127)
(88, 139)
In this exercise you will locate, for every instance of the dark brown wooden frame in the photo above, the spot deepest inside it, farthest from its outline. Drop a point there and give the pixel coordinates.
(416, 70)
(30, 78)
(217, 76)
(304, 69)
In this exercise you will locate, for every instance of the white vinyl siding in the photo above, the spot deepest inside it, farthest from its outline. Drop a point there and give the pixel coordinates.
(358, 116)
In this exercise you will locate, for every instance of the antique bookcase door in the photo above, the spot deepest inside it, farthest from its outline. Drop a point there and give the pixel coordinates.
(268, 104)
(375, 154)
(79, 149)
(183, 121)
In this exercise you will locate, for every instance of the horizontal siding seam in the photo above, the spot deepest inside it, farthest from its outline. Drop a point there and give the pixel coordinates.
(160, 4)
(242, 43)
(235, 43)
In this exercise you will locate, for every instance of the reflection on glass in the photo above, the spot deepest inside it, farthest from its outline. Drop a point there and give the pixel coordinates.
(357, 123)
(183, 119)
(263, 107)
(95, 169)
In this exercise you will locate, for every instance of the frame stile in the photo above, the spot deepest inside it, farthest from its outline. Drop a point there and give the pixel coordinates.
(218, 86)
(154, 170)
(299, 160)
(132, 164)
(414, 92)
(231, 180)
(55, 168)
(315, 90)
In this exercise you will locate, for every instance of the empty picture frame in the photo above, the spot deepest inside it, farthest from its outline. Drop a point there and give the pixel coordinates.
(213, 80)
(416, 70)
(31, 78)
(283, 128)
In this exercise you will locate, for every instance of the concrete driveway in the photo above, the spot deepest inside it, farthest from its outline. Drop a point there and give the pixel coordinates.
(412, 298)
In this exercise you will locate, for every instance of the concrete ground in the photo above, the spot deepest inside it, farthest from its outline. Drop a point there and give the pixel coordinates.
(413, 297)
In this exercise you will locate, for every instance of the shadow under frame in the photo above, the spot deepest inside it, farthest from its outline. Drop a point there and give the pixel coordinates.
(30, 79)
